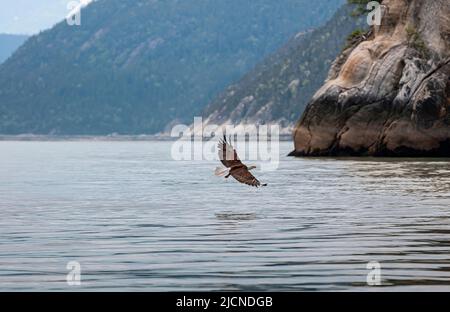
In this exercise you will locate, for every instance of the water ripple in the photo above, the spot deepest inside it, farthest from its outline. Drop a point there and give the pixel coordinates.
(135, 220)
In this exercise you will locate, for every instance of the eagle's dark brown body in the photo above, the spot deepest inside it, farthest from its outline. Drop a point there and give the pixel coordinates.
(229, 158)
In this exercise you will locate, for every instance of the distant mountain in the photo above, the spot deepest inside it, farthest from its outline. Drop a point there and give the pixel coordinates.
(9, 44)
(135, 66)
(278, 89)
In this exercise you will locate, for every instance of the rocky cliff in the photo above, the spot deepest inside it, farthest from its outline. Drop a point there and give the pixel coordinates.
(388, 94)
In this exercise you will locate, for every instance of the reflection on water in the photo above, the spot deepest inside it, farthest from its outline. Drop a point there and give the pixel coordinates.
(431, 173)
(236, 216)
(135, 220)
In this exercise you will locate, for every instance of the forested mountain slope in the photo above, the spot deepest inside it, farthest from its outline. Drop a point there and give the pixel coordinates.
(278, 89)
(135, 66)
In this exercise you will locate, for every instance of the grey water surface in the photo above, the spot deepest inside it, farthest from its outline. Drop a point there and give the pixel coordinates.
(137, 220)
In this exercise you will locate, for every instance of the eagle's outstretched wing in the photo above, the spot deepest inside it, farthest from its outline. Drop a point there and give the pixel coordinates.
(229, 158)
(244, 176)
(227, 154)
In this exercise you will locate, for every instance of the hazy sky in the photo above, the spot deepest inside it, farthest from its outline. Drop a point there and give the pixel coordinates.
(31, 16)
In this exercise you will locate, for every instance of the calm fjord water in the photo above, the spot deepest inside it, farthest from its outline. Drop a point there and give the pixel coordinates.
(137, 220)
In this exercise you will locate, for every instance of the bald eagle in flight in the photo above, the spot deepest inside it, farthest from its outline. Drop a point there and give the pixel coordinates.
(235, 168)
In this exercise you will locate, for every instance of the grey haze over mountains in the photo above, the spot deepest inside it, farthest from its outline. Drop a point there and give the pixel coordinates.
(135, 66)
(9, 44)
(30, 16)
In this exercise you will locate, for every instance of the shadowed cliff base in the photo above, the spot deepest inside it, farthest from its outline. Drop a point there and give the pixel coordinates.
(388, 95)
(443, 151)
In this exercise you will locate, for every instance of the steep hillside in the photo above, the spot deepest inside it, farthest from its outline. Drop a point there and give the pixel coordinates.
(134, 66)
(278, 89)
(9, 44)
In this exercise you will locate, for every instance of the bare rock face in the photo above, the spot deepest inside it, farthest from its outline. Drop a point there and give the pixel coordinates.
(388, 95)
